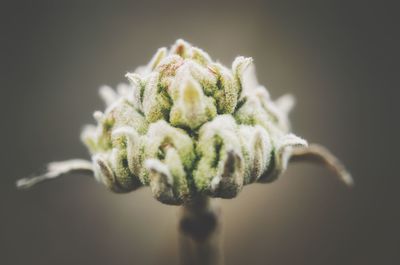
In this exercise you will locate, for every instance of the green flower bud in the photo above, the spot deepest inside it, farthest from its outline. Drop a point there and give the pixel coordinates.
(187, 126)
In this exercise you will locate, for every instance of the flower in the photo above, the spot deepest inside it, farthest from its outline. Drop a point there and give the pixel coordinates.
(187, 126)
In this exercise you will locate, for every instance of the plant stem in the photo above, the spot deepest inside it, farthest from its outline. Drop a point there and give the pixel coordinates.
(200, 229)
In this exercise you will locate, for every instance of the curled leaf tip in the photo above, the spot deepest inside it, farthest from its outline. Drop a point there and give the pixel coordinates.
(319, 154)
(55, 170)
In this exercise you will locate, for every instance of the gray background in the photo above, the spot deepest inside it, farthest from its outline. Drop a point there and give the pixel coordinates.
(339, 58)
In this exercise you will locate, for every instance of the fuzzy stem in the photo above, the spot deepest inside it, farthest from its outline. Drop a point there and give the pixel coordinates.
(200, 229)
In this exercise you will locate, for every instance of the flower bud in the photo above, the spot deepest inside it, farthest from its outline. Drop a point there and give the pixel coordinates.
(187, 126)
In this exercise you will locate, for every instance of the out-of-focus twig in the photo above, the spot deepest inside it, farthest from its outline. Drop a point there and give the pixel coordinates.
(199, 227)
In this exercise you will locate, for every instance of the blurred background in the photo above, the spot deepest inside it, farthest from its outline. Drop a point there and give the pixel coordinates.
(339, 58)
